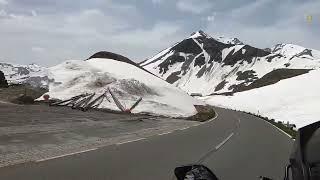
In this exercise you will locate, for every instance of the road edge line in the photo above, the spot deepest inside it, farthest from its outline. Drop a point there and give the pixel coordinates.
(64, 155)
(185, 128)
(216, 116)
(278, 129)
(134, 140)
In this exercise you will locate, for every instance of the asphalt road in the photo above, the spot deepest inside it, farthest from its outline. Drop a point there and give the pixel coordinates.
(234, 145)
(37, 132)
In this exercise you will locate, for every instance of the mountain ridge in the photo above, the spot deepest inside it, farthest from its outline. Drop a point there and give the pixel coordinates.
(202, 64)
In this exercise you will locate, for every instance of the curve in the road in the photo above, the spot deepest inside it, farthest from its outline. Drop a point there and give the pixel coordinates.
(231, 150)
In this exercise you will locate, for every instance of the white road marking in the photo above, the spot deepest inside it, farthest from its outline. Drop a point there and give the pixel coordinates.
(55, 157)
(195, 125)
(130, 141)
(183, 128)
(224, 141)
(278, 129)
(214, 117)
(165, 133)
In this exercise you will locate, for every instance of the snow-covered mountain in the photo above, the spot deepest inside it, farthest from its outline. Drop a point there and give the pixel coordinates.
(206, 65)
(129, 82)
(32, 74)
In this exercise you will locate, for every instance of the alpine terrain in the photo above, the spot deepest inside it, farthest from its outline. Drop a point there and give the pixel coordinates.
(205, 65)
(123, 81)
(31, 74)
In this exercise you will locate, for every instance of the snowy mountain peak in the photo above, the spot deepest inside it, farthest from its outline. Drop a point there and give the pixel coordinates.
(199, 33)
(202, 64)
(222, 39)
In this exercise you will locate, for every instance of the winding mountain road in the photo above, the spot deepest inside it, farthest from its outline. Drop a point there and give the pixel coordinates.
(234, 145)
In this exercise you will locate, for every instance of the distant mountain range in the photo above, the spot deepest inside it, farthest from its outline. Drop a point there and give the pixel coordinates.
(31, 74)
(202, 64)
(207, 65)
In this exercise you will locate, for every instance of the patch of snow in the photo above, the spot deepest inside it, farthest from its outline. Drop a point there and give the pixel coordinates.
(129, 82)
(195, 35)
(156, 57)
(295, 100)
(290, 50)
(237, 48)
(227, 40)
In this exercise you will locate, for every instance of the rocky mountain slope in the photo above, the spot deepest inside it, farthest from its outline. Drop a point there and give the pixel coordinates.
(207, 65)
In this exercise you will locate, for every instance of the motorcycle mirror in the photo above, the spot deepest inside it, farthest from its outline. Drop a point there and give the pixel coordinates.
(194, 172)
(305, 156)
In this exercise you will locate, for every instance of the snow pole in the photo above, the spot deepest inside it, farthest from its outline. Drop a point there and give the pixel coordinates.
(82, 101)
(87, 101)
(117, 102)
(72, 100)
(105, 95)
(135, 104)
(60, 102)
(98, 104)
(89, 105)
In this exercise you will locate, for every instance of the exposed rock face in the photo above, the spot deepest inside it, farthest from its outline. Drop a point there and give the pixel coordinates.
(3, 81)
(207, 65)
(110, 55)
(114, 56)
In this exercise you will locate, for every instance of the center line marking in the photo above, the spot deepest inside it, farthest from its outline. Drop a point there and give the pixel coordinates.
(224, 141)
(130, 141)
(55, 157)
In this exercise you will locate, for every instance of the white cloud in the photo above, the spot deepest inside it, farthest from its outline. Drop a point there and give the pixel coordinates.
(157, 1)
(34, 13)
(37, 49)
(128, 30)
(289, 27)
(3, 2)
(159, 33)
(77, 35)
(249, 8)
(211, 17)
(194, 6)
(3, 13)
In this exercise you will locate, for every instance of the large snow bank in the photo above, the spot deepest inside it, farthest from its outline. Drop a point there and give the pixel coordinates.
(295, 100)
(75, 77)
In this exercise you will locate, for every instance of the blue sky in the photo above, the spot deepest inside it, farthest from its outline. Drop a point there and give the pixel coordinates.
(48, 32)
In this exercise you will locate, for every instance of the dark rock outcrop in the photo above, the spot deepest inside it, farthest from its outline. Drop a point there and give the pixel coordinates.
(270, 78)
(117, 57)
(3, 81)
(110, 55)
